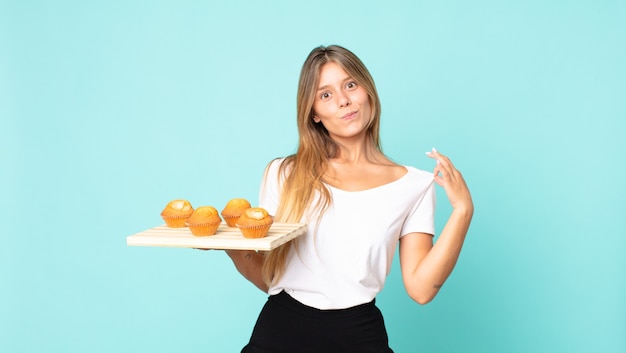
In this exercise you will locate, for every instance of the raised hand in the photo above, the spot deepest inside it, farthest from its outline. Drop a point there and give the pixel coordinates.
(448, 177)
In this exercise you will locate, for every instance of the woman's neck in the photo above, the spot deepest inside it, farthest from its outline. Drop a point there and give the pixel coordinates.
(357, 152)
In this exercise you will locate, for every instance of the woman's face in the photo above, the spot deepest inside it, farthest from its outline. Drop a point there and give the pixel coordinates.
(341, 104)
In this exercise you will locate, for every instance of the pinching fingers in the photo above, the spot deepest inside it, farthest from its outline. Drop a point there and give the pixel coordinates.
(444, 170)
(448, 177)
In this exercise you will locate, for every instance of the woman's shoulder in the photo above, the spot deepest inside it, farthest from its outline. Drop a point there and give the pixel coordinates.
(416, 175)
(409, 171)
(279, 162)
(417, 171)
(279, 166)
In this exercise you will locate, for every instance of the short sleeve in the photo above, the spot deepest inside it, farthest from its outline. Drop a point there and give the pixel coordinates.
(269, 194)
(421, 218)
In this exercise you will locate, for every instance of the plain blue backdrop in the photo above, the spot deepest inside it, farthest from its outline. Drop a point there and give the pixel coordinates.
(109, 109)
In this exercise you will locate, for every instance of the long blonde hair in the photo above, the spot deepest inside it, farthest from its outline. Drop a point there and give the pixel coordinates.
(304, 171)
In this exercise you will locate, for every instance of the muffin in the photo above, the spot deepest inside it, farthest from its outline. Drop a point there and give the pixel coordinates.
(204, 221)
(255, 222)
(234, 209)
(176, 212)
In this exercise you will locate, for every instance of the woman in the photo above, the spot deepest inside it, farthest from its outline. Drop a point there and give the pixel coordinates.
(358, 206)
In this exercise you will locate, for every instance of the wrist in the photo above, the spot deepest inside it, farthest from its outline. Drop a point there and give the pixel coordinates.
(238, 254)
(232, 253)
(465, 211)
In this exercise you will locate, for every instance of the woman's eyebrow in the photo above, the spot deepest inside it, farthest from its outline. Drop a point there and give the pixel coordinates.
(347, 78)
(323, 88)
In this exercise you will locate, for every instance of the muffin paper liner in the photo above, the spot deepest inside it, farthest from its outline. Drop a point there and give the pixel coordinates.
(259, 231)
(231, 220)
(203, 229)
(176, 221)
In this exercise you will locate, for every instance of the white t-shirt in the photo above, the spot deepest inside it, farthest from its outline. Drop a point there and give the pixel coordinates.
(344, 260)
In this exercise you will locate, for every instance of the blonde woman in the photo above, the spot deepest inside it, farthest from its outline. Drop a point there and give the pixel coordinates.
(358, 205)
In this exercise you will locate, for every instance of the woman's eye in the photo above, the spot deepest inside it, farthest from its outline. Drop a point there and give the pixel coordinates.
(351, 85)
(325, 95)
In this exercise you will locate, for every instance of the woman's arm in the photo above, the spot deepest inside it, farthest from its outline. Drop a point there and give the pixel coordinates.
(425, 267)
(249, 264)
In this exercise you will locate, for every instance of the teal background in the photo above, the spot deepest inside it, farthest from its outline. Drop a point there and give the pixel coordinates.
(109, 109)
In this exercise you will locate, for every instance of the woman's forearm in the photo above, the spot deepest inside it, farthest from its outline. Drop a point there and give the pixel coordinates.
(442, 258)
(249, 264)
(429, 274)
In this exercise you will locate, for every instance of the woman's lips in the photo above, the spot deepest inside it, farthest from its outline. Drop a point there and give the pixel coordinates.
(349, 115)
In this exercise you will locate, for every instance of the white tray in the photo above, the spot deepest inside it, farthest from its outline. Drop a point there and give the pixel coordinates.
(225, 238)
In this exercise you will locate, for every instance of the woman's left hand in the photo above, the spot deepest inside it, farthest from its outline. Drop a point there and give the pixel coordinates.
(448, 177)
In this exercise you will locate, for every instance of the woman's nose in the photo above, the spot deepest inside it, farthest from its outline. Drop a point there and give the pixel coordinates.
(344, 100)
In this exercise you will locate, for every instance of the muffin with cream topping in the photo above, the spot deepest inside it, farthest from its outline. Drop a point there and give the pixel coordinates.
(255, 222)
(176, 213)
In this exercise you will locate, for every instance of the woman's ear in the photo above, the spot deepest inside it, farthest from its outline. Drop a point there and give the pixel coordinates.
(316, 119)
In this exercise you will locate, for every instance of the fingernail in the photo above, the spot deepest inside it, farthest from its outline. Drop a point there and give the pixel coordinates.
(434, 149)
(438, 162)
